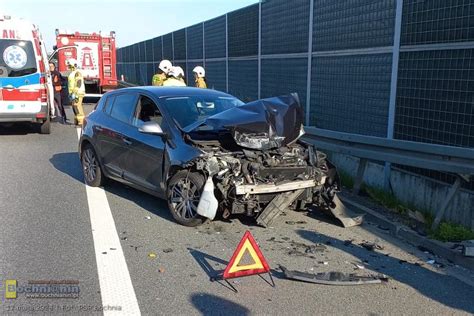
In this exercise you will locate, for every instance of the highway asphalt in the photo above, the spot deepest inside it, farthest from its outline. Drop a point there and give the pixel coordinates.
(47, 234)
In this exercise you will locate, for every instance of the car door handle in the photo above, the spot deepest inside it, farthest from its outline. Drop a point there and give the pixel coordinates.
(99, 129)
(127, 141)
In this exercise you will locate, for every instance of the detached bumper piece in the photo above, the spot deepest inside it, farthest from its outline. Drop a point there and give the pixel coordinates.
(334, 278)
(277, 205)
(344, 215)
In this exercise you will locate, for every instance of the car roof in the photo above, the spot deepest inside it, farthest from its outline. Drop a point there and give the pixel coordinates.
(176, 91)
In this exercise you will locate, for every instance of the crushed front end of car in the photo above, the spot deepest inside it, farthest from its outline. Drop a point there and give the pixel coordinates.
(256, 164)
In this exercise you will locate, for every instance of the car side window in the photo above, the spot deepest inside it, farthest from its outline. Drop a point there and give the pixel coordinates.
(123, 107)
(109, 102)
(146, 111)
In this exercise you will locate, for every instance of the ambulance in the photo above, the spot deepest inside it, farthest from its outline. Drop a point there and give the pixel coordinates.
(25, 82)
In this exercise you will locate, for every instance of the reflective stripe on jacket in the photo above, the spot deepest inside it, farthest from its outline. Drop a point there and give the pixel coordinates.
(158, 79)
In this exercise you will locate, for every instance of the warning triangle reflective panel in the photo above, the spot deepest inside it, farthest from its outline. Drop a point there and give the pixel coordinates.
(247, 246)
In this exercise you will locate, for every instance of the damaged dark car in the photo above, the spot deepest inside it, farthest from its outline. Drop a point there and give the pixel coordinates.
(207, 153)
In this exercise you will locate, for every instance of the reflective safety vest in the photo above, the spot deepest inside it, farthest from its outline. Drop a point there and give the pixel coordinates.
(76, 84)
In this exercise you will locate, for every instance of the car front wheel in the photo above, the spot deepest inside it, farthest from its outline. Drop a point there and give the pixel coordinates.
(91, 167)
(184, 192)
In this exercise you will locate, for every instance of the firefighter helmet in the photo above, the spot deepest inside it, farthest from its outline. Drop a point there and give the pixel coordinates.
(165, 66)
(71, 62)
(176, 72)
(199, 71)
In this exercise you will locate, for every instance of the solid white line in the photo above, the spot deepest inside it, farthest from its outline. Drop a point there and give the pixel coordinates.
(116, 287)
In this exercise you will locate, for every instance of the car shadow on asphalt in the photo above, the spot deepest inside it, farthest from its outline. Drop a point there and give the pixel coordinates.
(208, 304)
(150, 203)
(17, 129)
(443, 288)
(68, 163)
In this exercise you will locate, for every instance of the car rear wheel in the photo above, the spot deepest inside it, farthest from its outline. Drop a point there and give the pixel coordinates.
(184, 192)
(91, 167)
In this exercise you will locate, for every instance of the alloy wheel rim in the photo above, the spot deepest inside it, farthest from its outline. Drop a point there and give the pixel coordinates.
(185, 199)
(90, 165)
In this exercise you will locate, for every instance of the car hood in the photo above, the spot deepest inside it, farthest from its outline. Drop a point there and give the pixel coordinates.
(262, 124)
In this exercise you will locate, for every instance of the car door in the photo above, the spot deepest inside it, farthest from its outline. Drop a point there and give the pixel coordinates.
(112, 144)
(143, 163)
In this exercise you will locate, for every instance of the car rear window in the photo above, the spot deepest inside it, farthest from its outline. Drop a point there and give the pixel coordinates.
(17, 58)
(123, 107)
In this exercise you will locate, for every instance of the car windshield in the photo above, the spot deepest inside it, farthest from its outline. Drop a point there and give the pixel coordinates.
(189, 110)
(17, 58)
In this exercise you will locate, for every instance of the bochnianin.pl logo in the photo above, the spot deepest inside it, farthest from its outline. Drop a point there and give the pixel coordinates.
(42, 289)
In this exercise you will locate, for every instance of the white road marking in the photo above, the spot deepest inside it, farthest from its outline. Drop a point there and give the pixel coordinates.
(116, 287)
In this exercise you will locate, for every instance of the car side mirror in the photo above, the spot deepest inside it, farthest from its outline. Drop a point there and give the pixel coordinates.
(152, 128)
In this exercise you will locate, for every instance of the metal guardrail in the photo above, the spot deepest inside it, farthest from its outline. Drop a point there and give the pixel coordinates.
(457, 160)
(421, 155)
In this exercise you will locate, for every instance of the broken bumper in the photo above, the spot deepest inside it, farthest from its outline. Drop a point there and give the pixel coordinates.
(273, 188)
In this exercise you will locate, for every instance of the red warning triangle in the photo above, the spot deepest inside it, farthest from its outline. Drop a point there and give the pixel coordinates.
(248, 244)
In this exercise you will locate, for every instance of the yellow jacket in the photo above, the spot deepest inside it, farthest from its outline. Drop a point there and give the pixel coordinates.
(200, 83)
(173, 82)
(75, 83)
(158, 79)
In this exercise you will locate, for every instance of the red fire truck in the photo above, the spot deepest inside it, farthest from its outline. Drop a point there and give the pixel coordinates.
(96, 56)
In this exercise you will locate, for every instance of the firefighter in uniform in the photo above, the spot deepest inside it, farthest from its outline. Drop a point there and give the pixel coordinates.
(180, 74)
(163, 70)
(175, 78)
(76, 89)
(200, 77)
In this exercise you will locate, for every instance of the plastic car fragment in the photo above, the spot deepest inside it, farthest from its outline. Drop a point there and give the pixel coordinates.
(334, 278)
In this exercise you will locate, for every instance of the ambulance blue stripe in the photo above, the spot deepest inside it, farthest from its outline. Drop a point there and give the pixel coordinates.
(20, 81)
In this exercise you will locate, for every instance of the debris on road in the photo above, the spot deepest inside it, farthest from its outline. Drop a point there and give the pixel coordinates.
(359, 266)
(161, 270)
(424, 249)
(334, 278)
(371, 246)
(167, 250)
(348, 242)
(344, 215)
(135, 247)
(301, 249)
(152, 255)
(296, 223)
(147, 217)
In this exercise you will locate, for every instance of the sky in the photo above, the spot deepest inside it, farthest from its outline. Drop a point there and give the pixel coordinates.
(133, 21)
